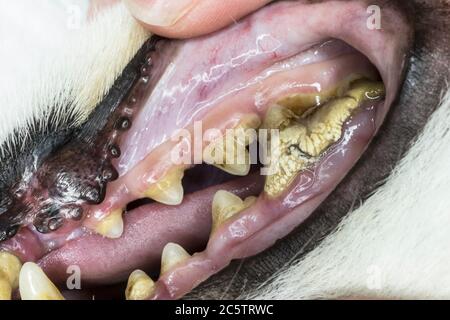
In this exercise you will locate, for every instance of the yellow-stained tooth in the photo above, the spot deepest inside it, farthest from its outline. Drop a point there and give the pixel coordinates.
(229, 152)
(225, 205)
(5, 289)
(303, 140)
(9, 274)
(172, 255)
(278, 117)
(140, 286)
(169, 189)
(111, 226)
(35, 285)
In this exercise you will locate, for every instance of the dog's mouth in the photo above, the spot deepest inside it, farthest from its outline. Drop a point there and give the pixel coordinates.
(236, 138)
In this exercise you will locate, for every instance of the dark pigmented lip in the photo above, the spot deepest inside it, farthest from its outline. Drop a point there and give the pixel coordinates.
(386, 49)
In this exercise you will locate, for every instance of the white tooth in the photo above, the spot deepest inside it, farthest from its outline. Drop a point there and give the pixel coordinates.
(35, 285)
(140, 286)
(172, 255)
(225, 205)
(112, 225)
(169, 189)
(9, 274)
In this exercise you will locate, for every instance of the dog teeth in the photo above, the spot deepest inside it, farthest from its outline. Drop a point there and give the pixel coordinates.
(278, 117)
(35, 285)
(9, 274)
(172, 255)
(140, 286)
(229, 152)
(169, 189)
(302, 140)
(111, 226)
(225, 205)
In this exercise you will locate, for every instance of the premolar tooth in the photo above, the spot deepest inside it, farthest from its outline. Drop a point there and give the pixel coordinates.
(172, 255)
(35, 285)
(225, 205)
(9, 274)
(111, 226)
(169, 189)
(140, 286)
(229, 152)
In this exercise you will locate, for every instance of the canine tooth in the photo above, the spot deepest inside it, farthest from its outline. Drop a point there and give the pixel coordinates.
(111, 226)
(140, 286)
(169, 189)
(225, 205)
(172, 255)
(35, 285)
(9, 274)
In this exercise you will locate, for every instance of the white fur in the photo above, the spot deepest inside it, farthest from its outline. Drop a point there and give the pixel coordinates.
(396, 245)
(53, 58)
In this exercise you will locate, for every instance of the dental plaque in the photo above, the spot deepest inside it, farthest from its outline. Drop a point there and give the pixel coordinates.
(204, 151)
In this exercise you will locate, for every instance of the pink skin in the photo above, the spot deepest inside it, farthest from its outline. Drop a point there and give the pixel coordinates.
(105, 261)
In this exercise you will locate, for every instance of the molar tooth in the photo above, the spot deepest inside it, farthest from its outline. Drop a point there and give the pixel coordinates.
(35, 285)
(172, 255)
(111, 226)
(169, 189)
(302, 142)
(140, 286)
(9, 274)
(225, 205)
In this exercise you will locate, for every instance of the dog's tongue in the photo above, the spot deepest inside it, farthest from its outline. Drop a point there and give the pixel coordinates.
(226, 74)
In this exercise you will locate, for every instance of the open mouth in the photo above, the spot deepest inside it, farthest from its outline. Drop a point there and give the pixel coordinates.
(223, 145)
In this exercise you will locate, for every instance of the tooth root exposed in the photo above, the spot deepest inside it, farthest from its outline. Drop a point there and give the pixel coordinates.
(111, 226)
(229, 152)
(172, 255)
(9, 274)
(169, 189)
(140, 286)
(225, 205)
(301, 142)
(35, 285)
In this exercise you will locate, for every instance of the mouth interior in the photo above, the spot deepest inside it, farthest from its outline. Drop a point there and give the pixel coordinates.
(322, 97)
